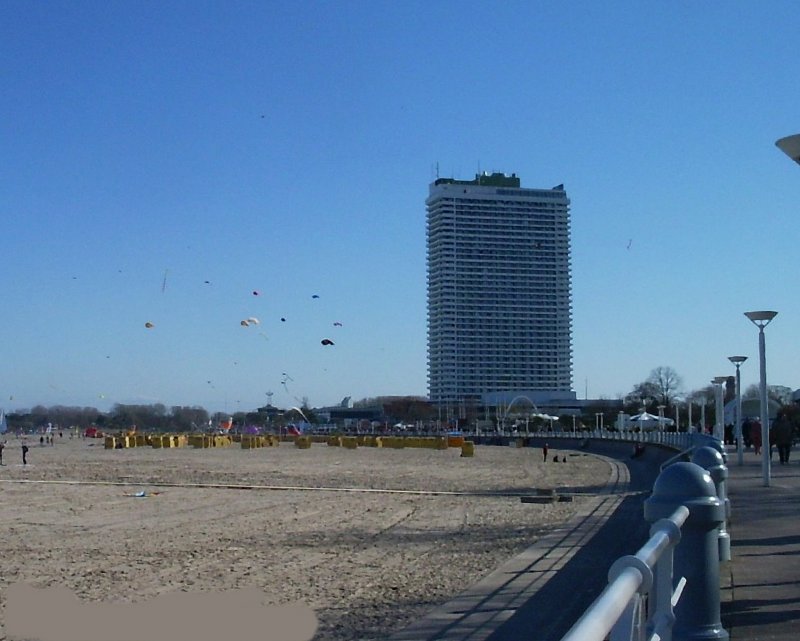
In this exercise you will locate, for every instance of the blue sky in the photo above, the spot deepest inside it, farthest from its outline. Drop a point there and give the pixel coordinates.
(287, 148)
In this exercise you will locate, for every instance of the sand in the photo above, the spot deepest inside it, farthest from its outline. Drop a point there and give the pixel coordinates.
(367, 563)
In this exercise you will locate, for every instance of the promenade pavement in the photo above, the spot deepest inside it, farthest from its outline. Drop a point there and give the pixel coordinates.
(760, 597)
(539, 594)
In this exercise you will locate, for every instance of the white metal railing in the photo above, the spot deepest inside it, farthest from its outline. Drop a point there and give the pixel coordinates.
(637, 604)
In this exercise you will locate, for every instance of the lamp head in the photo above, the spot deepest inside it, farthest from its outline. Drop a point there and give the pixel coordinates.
(761, 318)
(737, 360)
(790, 145)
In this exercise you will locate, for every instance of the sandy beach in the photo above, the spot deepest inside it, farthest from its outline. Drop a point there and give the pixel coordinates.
(367, 562)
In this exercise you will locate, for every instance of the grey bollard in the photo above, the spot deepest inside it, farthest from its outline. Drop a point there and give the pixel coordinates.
(710, 460)
(697, 614)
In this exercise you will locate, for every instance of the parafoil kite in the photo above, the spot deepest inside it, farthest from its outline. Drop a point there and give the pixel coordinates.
(149, 325)
(255, 292)
(314, 295)
(326, 341)
(283, 320)
(244, 323)
(253, 320)
(337, 324)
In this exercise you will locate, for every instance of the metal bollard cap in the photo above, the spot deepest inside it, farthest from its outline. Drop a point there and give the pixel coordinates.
(711, 460)
(690, 485)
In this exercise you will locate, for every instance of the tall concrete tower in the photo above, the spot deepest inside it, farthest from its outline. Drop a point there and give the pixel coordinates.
(499, 289)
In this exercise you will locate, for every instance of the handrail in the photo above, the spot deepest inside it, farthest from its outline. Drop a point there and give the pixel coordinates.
(674, 459)
(619, 610)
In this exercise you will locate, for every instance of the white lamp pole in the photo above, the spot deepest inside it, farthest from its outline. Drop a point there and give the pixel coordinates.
(761, 319)
(703, 414)
(719, 423)
(738, 360)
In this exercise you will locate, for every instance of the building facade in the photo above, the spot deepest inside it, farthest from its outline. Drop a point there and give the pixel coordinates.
(499, 289)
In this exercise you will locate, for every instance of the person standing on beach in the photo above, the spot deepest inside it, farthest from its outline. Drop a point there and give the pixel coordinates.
(544, 452)
(2, 445)
(24, 454)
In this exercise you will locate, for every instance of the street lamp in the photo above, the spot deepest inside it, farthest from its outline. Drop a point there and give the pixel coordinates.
(761, 319)
(719, 423)
(738, 360)
(790, 145)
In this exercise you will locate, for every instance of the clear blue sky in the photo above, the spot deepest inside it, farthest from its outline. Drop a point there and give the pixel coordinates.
(287, 148)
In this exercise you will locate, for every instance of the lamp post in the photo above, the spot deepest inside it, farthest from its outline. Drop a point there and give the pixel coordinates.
(738, 360)
(761, 319)
(703, 400)
(719, 422)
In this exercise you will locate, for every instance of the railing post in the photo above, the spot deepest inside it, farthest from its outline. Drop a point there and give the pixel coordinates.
(662, 617)
(711, 460)
(697, 614)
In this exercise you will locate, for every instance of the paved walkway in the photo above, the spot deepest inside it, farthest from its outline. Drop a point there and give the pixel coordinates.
(539, 594)
(761, 584)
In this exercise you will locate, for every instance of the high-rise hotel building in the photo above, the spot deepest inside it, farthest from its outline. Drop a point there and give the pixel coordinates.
(499, 290)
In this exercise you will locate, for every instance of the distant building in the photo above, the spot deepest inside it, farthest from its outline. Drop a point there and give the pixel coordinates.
(499, 291)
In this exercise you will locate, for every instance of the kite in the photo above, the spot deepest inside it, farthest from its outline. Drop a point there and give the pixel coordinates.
(255, 292)
(149, 325)
(244, 323)
(337, 324)
(253, 320)
(283, 320)
(326, 341)
(314, 295)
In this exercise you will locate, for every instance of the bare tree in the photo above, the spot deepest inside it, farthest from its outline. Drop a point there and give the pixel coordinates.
(779, 393)
(666, 382)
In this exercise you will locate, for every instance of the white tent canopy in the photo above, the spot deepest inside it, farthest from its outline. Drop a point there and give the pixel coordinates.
(645, 420)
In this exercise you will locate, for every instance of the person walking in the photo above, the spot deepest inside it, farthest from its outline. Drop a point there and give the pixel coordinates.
(24, 454)
(755, 436)
(544, 452)
(2, 446)
(782, 433)
(746, 433)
